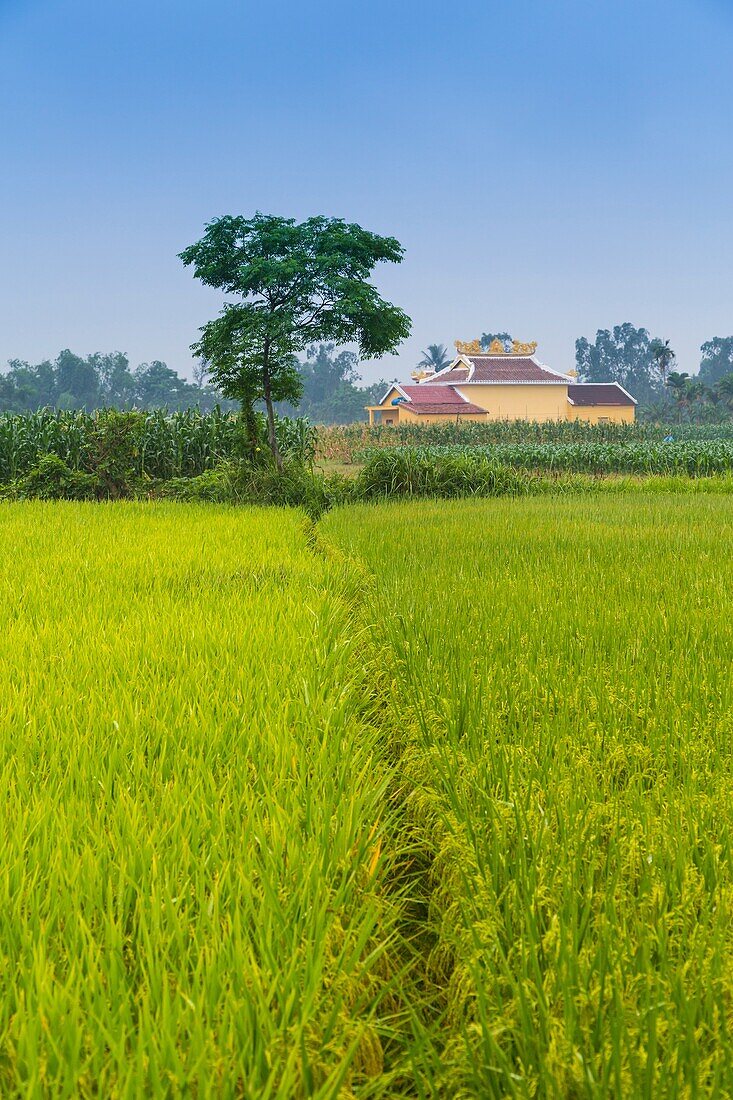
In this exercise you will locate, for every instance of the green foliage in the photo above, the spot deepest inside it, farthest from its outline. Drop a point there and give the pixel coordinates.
(331, 394)
(487, 339)
(435, 357)
(407, 471)
(625, 355)
(123, 448)
(716, 359)
(201, 888)
(99, 381)
(297, 284)
(51, 479)
(695, 459)
(561, 673)
(343, 444)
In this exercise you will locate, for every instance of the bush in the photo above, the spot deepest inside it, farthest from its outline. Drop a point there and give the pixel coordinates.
(406, 471)
(52, 479)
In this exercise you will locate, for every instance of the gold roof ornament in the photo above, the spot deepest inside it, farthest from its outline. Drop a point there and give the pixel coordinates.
(496, 347)
(468, 347)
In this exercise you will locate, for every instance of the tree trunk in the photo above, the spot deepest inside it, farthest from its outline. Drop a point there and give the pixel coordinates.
(271, 437)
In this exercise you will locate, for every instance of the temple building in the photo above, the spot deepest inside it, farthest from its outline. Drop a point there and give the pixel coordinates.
(497, 384)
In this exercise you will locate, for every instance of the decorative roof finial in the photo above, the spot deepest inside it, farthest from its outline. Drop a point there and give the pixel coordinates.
(468, 347)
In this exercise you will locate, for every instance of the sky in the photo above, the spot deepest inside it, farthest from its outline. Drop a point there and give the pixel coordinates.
(551, 166)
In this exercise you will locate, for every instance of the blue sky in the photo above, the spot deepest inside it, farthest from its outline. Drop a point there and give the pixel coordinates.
(550, 167)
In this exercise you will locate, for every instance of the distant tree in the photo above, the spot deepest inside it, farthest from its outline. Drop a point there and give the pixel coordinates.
(77, 382)
(297, 284)
(716, 359)
(724, 389)
(678, 384)
(200, 372)
(435, 357)
(158, 386)
(488, 338)
(116, 380)
(663, 357)
(621, 355)
(101, 380)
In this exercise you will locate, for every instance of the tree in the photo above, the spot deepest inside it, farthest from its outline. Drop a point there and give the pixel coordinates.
(487, 339)
(717, 359)
(77, 382)
(678, 383)
(724, 389)
(296, 284)
(621, 355)
(663, 357)
(116, 380)
(158, 386)
(435, 357)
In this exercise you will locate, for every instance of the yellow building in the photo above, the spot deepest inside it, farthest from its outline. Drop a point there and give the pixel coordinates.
(500, 385)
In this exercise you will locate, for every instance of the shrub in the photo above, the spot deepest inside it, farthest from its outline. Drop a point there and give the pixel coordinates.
(52, 479)
(407, 471)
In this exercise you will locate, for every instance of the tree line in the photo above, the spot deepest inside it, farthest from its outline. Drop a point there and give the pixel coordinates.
(332, 393)
(101, 380)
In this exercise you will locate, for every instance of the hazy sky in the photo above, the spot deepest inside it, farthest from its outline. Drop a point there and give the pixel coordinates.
(551, 166)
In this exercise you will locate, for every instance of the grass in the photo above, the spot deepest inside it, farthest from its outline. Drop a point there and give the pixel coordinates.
(432, 798)
(562, 669)
(194, 857)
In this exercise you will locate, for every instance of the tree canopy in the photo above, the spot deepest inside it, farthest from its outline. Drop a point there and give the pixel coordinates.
(624, 354)
(101, 380)
(296, 284)
(716, 359)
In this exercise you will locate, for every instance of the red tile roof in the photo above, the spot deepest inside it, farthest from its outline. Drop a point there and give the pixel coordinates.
(447, 408)
(498, 368)
(599, 393)
(446, 401)
(420, 395)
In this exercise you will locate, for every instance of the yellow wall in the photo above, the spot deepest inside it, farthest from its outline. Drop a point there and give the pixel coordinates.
(512, 402)
(520, 402)
(593, 414)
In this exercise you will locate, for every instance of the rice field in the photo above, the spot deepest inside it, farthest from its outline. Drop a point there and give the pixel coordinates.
(192, 899)
(563, 667)
(430, 799)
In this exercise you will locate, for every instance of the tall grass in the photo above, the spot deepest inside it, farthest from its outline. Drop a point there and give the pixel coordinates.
(561, 669)
(197, 894)
(692, 458)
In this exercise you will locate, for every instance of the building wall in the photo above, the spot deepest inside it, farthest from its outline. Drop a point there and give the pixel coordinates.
(597, 414)
(516, 401)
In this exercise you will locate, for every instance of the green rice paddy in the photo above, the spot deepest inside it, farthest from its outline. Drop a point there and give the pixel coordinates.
(429, 799)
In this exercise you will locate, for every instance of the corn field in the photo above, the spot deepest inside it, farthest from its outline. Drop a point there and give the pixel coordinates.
(157, 444)
(345, 443)
(695, 458)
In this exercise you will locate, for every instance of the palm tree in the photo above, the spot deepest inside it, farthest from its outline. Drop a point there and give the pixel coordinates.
(435, 358)
(663, 357)
(724, 389)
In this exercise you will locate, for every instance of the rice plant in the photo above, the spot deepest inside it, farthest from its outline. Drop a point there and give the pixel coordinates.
(561, 670)
(197, 835)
